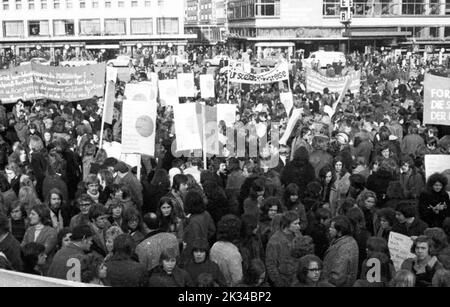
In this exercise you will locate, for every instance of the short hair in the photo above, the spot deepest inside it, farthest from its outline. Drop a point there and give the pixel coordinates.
(179, 179)
(303, 266)
(228, 228)
(287, 218)
(107, 176)
(388, 214)
(124, 245)
(84, 198)
(44, 213)
(342, 224)
(406, 159)
(35, 143)
(404, 278)
(96, 211)
(439, 239)
(194, 203)
(21, 205)
(422, 239)
(62, 233)
(407, 209)
(168, 254)
(90, 179)
(151, 220)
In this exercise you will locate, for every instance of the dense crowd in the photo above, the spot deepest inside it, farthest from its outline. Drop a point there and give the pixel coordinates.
(342, 183)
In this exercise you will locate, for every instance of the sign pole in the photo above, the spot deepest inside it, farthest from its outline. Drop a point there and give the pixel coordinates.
(205, 164)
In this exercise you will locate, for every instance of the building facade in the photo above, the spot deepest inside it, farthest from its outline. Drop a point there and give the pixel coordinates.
(309, 25)
(123, 25)
(207, 19)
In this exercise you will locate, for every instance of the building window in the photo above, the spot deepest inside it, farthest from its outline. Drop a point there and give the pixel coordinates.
(447, 31)
(134, 4)
(43, 4)
(447, 7)
(13, 28)
(434, 32)
(147, 3)
(63, 27)
(56, 4)
(107, 3)
(69, 4)
(168, 26)
(89, 26)
(94, 4)
(38, 28)
(142, 26)
(332, 7)
(413, 7)
(115, 26)
(5, 5)
(121, 4)
(82, 4)
(267, 8)
(31, 4)
(18, 5)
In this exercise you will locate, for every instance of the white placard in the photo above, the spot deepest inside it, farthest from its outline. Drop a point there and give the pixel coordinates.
(400, 248)
(207, 86)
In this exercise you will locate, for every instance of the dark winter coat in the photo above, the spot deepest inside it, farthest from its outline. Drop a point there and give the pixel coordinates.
(124, 272)
(178, 278)
(416, 228)
(11, 248)
(195, 269)
(431, 198)
(299, 172)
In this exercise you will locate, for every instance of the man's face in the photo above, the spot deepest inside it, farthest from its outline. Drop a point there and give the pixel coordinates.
(86, 244)
(101, 221)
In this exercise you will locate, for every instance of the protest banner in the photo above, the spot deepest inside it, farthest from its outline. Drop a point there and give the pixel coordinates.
(211, 131)
(436, 100)
(139, 119)
(315, 82)
(37, 81)
(400, 248)
(207, 86)
(436, 164)
(185, 85)
(187, 129)
(110, 91)
(168, 92)
(227, 113)
(277, 74)
(296, 114)
(287, 100)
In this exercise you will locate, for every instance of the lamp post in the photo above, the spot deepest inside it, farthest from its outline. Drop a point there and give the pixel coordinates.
(346, 14)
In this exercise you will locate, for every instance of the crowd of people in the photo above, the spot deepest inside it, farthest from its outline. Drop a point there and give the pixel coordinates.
(318, 218)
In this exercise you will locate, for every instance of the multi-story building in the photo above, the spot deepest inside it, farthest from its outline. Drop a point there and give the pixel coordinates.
(207, 19)
(309, 25)
(92, 24)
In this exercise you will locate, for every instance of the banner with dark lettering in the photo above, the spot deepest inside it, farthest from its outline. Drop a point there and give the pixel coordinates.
(55, 83)
(315, 82)
(279, 73)
(436, 109)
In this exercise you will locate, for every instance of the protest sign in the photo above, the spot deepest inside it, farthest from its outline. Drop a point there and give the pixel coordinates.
(277, 74)
(55, 83)
(287, 100)
(110, 91)
(211, 130)
(186, 85)
(139, 119)
(207, 86)
(436, 164)
(315, 82)
(296, 114)
(400, 248)
(227, 113)
(436, 100)
(168, 92)
(187, 128)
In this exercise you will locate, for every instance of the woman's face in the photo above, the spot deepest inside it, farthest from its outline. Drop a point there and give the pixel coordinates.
(385, 153)
(133, 223)
(66, 240)
(199, 256)
(384, 223)
(55, 201)
(294, 227)
(437, 187)
(369, 203)
(166, 209)
(117, 211)
(272, 212)
(35, 219)
(422, 250)
(47, 136)
(338, 167)
(328, 177)
(169, 265)
(314, 271)
(16, 214)
(293, 198)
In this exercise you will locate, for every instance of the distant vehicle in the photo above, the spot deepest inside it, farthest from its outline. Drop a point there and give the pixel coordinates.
(76, 62)
(121, 61)
(266, 62)
(41, 61)
(325, 58)
(175, 58)
(215, 61)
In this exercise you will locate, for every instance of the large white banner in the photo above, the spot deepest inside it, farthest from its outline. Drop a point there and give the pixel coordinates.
(436, 164)
(187, 129)
(168, 92)
(277, 74)
(207, 86)
(227, 113)
(139, 119)
(186, 86)
(315, 82)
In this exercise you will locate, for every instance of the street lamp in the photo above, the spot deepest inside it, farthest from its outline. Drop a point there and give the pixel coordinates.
(346, 15)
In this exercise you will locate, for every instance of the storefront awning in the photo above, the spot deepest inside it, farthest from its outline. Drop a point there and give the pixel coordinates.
(379, 33)
(109, 46)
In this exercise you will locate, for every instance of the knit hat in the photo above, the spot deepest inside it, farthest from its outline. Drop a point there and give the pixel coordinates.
(80, 232)
(121, 167)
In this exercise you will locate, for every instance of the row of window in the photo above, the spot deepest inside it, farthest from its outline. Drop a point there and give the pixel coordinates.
(206, 6)
(427, 32)
(254, 8)
(389, 7)
(91, 27)
(206, 17)
(57, 4)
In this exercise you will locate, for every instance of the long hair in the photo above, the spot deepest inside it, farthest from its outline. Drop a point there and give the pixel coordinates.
(166, 223)
(44, 213)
